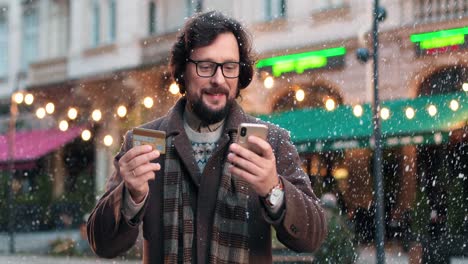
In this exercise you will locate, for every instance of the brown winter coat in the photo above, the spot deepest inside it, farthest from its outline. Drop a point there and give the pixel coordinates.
(301, 227)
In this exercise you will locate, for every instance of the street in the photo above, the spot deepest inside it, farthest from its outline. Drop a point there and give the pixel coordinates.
(56, 260)
(367, 256)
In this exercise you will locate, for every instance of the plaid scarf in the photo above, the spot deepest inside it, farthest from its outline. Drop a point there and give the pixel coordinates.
(229, 238)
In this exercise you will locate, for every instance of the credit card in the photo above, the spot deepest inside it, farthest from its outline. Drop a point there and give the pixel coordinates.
(155, 138)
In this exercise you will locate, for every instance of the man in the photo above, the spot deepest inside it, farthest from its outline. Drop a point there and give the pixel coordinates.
(208, 200)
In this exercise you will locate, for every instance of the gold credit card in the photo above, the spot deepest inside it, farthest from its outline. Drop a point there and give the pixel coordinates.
(155, 138)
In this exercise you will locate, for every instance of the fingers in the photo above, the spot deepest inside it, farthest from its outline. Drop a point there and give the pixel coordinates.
(244, 163)
(137, 169)
(145, 171)
(257, 169)
(142, 176)
(137, 156)
(262, 145)
(134, 152)
(136, 166)
(264, 149)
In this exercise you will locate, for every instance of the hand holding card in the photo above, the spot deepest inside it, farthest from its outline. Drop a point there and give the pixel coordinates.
(155, 138)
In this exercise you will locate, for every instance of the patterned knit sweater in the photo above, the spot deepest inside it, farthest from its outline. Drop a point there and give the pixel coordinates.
(203, 144)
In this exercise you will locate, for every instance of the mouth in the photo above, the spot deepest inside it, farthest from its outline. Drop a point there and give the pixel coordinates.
(215, 93)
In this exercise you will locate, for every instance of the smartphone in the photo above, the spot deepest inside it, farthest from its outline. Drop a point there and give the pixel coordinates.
(250, 129)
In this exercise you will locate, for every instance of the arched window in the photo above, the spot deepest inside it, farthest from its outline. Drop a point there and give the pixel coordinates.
(446, 80)
(306, 97)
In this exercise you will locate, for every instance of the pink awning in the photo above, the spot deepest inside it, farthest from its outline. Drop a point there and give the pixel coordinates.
(31, 145)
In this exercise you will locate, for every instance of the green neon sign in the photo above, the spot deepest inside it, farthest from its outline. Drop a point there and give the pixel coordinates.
(300, 62)
(442, 42)
(439, 34)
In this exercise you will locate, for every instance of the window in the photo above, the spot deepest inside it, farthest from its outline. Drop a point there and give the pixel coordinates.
(275, 9)
(112, 20)
(96, 23)
(30, 34)
(59, 24)
(3, 41)
(103, 22)
(430, 10)
(193, 6)
(152, 18)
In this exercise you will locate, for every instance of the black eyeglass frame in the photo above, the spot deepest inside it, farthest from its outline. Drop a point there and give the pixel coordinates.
(216, 68)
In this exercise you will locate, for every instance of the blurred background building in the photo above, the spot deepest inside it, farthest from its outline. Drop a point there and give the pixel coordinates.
(90, 70)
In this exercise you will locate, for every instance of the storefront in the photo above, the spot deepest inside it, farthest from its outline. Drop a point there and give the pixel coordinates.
(424, 139)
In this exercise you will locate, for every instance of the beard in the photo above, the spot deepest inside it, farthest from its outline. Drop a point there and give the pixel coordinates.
(208, 115)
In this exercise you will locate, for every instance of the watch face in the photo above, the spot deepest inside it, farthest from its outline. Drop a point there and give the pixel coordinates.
(276, 195)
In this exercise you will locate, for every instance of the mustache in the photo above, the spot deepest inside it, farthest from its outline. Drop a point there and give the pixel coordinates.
(216, 90)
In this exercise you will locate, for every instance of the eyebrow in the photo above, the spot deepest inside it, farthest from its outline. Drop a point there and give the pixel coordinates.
(211, 60)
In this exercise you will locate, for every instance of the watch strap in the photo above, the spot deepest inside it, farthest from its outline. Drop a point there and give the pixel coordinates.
(278, 186)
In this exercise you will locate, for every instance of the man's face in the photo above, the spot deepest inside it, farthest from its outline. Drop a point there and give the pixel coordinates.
(210, 98)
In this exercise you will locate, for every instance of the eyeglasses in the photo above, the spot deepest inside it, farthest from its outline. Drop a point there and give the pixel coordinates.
(208, 69)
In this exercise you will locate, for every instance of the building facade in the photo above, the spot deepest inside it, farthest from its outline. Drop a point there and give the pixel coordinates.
(102, 54)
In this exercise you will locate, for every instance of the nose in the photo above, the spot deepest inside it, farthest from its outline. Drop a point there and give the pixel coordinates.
(218, 77)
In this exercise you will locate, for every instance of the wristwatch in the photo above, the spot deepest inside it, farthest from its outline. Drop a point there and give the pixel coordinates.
(275, 195)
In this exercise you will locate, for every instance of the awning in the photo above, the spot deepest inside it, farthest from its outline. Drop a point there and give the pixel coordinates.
(317, 129)
(31, 145)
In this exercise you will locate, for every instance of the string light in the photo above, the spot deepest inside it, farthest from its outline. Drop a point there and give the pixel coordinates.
(86, 135)
(29, 99)
(41, 113)
(300, 95)
(108, 140)
(330, 104)
(121, 111)
(409, 113)
(174, 88)
(50, 108)
(148, 102)
(96, 115)
(268, 82)
(384, 113)
(432, 110)
(72, 113)
(18, 97)
(357, 110)
(454, 105)
(465, 87)
(63, 125)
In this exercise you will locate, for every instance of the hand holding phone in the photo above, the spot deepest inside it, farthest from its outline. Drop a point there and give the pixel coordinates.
(259, 171)
(251, 129)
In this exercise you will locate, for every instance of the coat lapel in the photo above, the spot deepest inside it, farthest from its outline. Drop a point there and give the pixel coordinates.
(181, 142)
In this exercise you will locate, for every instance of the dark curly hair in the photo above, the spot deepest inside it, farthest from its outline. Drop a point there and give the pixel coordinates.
(200, 31)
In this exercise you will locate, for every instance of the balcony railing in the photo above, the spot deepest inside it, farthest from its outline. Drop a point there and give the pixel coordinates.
(155, 49)
(48, 71)
(439, 10)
